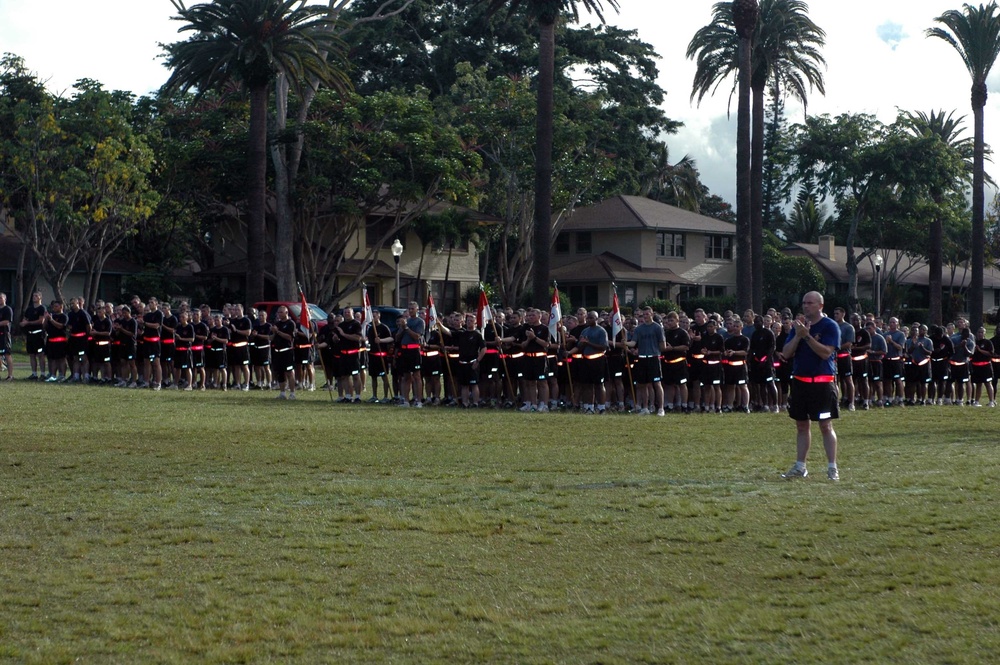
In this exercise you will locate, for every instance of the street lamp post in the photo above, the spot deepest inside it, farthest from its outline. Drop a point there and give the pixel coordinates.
(397, 251)
(878, 285)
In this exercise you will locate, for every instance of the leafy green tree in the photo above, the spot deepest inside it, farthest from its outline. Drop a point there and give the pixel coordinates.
(250, 42)
(880, 178)
(546, 13)
(81, 177)
(385, 156)
(808, 220)
(786, 278)
(947, 129)
(974, 33)
(785, 55)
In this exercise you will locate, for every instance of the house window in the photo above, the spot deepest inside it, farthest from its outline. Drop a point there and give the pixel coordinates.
(583, 242)
(686, 293)
(715, 291)
(669, 245)
(562, 244)
(719, 247)
(376, 228)
(583, 295)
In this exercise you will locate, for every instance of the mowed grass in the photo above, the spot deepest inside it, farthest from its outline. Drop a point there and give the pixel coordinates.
(141, 527)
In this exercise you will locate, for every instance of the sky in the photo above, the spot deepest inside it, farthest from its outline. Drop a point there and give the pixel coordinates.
(878, 61)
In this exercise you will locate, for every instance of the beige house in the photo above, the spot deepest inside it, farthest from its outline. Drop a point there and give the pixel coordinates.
(897, 267)
(646, 249)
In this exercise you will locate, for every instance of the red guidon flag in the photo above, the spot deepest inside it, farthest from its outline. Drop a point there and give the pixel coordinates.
(367, 321)
(555, 316)
(304, 314)
(432, 316)
(483, 313)
(616, 317)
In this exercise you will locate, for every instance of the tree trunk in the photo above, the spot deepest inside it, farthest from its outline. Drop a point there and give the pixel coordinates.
(934, 282)
(257, 193)
(744, 258)
(757, 200)
(978, 210)
(542, 245)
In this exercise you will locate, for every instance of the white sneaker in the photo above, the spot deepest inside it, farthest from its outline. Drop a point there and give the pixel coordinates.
(526, 408)
(542, 408)
(832, 474)
(795, 472)
(291, 395)
(661, 412)
(643, 411)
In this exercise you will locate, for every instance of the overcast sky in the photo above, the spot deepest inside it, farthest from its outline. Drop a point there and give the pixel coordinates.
(878, 61)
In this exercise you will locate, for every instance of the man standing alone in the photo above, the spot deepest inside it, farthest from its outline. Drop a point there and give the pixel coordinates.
(813, 347)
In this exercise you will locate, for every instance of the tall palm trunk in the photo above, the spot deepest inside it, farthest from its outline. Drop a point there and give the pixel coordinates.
(757, 198)
(744, 259)
(978, 207)
(542, 241)
(256, 193)
(934, 280)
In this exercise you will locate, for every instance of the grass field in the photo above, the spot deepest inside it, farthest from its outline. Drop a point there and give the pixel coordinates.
(141, 527)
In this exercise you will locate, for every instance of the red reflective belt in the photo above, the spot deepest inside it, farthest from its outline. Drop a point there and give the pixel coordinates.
(816, 379)
(736, 363)
(841, 355)
(57, 339)
(83, 334)
(349, 351)
(238, 344)
(981, 363)
(303, 346)
(151, 339)
(198, 347)
(411, 346)
(167, 340)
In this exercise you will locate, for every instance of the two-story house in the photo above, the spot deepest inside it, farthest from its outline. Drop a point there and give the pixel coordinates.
(646, 249)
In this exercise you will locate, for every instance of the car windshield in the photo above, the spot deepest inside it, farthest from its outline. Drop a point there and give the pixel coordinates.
(315, 313)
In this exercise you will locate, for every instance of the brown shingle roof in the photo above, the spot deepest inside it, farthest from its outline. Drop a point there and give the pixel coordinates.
(608, 266)
(638, 212)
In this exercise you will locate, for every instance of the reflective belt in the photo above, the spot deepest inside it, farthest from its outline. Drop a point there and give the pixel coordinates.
(103, 343)
(83, 334)
(594, 356)
(841, 355)
(287, 348)
(237, 344)
(981, 363)
(151, 339)
(858, 358)
(957, 362)
(411, 346)
(348, 352)
(697, 356)
(816, 379)
(303, 346)
(923, 362)
(198, 347)
(712, 362)
(538, 354)
(737, 363)
(431, 354)
(167, 340)
(57, 339)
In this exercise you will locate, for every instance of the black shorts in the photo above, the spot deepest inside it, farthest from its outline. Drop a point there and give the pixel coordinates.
(55, 350)
(647, 370)
(260, 355)
(982, 373)
(409, 361)
(182, 358)
(960, 373)
(378, 363)
(350, 364)
(735, 375)
(238, 355)
(215, 358)
(533, 368)
(149, 350)
(844, 365)
(616, 366)
(100, 352)
(467, 373)
(711, 374)
(760, 371)
(282, 363)
(675, 373)
(167, 351)
(592, 370)
(431, 365)
(876, 369)
(813, 401)
(918, 373)
(859, 367)
(77, 346)
(303, 354)
(892, 368)
(34, 341)
(940, 369)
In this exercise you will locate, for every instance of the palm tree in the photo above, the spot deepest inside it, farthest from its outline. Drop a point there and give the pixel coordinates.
(785, 57)
(745, 16)
(808, 220)
(251, 42)
(974, 33)
(947, 129)
(546, 12)
(677, 184)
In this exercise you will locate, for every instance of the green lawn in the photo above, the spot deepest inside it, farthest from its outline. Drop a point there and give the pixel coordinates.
(224, 528)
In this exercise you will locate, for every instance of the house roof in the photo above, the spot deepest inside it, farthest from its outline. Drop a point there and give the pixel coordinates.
(909, 268)
(638, 212)
(608, 266)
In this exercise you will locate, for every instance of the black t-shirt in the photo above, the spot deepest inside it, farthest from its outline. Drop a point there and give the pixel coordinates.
(221, 334)
(55, 331)
(675, 337)
(151, 324)
(6, 314)
(184, 332)
(241, 329)
(536, 345)
(34, 313)
(350, 327)
(286, 327)
(713, 345)
(738, 343)
(469, 343)
(762, 343)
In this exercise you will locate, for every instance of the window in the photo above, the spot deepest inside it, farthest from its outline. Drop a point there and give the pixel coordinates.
(562, 244)
(583, 295)
(719, 247)
(669, 245)
(715, 291)
(687, 292)
(583, 242)
(376, 228)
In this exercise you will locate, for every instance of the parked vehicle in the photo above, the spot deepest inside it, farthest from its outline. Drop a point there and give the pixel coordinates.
(387, 314)
(316, 313)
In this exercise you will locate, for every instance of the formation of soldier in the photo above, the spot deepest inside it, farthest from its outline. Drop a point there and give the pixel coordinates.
(594, 362)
